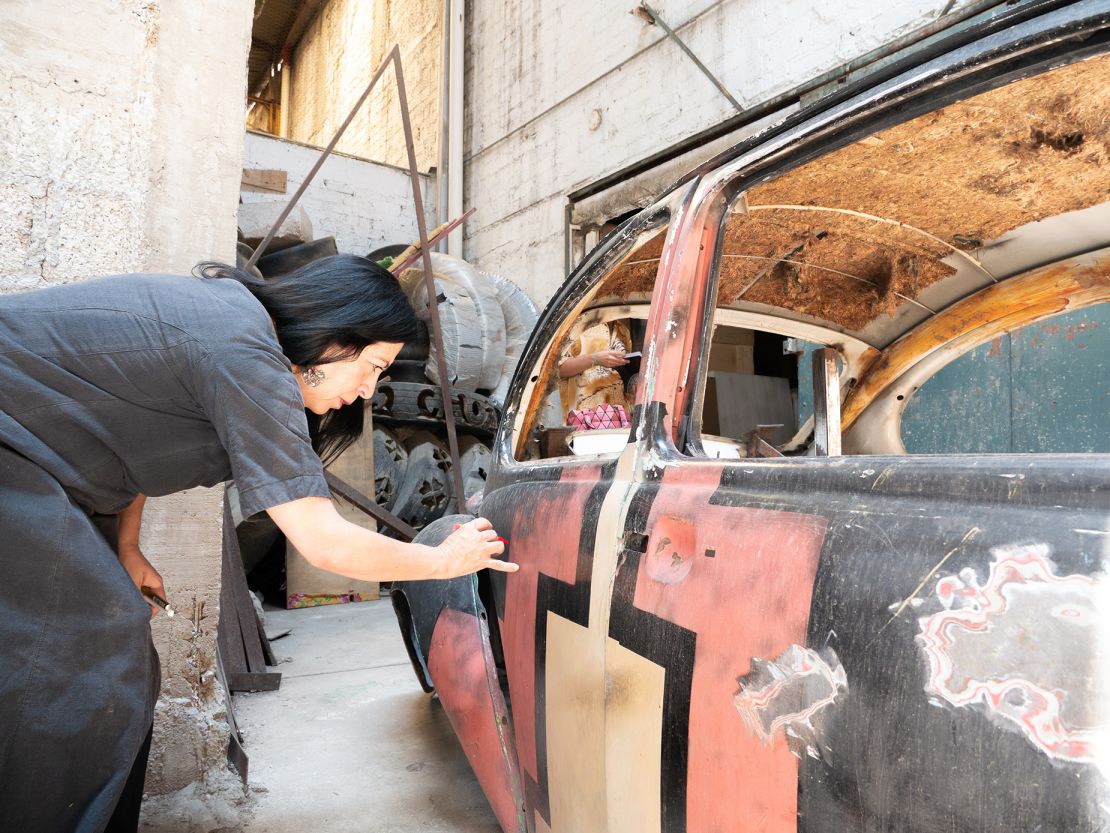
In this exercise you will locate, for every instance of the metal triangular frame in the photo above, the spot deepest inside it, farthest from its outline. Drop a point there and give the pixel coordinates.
(394, 58)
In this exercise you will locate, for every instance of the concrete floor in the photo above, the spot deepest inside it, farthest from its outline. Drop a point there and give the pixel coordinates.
(350, 743)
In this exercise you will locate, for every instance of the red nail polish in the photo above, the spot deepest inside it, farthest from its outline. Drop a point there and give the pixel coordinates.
(502, 540)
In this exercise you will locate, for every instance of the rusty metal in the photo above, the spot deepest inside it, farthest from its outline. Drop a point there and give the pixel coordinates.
(757, 442)
(393, 57)
(400, 266)
(429, 282)
(357, 499)
(655, 18)
(782, 583)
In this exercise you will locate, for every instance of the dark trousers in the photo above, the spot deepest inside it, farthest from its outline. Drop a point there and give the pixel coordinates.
(125, 819)
(78, 671)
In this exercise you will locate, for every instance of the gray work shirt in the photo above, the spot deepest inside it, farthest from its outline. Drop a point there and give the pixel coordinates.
(151, 384)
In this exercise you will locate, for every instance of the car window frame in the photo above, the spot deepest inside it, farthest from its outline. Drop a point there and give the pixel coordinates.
(575, 299)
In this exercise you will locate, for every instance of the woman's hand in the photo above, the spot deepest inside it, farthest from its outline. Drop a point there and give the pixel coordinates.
(141, 572)
(610, 358)
(472, 547)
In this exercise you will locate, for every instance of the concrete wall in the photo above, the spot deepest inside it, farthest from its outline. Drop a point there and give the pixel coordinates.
(335, 60)
(120, 150)
(560, 95)
(364, 205)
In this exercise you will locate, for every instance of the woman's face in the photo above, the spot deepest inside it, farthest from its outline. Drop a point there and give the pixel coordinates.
(346, 380)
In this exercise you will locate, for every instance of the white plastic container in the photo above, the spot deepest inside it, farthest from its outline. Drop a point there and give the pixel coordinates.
(598, 441)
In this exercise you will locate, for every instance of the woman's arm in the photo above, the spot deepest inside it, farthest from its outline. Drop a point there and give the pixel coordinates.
(331, 543)
(131, 557)
(580, 364)
(130, 523)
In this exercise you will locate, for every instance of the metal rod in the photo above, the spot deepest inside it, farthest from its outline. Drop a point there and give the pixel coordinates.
(362, 502)
(393, 57)
(429, 283)
(826, 402)
(258, 252)
(876, 218)
(705, 70)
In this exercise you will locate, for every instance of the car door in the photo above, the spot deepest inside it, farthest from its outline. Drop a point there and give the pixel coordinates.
(560, 513)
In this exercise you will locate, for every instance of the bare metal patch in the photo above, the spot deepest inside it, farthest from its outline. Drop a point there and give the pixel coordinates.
(790, 693)
(1024, 645)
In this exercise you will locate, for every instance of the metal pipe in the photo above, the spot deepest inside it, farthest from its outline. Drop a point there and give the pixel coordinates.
(654, 15)
(285, 107)
(429, 283)
(444, 131)
(455, 124)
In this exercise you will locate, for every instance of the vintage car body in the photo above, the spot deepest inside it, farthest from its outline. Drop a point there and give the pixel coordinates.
(867, 641)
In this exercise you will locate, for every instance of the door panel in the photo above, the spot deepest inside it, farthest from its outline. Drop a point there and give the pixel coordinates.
(734, 592)
(552, 633)
(915, 644)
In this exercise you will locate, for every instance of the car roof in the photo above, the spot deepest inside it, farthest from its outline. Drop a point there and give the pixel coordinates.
(887, 224)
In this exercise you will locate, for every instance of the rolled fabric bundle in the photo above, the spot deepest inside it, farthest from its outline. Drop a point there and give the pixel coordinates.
(479, 321)
(520, 316)
(462, 340)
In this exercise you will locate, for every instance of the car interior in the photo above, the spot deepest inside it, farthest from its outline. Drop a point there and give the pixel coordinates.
(824, 273)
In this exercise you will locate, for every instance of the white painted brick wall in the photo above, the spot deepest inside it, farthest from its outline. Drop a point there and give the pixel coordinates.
(362, 204)
(536, 71)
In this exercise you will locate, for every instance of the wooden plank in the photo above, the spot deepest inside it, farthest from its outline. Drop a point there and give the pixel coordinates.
(263, 181)
(240, 633)
(250, 681)
(241, 599)
(229, 637)
(236, 755)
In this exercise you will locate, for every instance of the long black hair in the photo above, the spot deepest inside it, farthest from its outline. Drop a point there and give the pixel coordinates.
(345, 302)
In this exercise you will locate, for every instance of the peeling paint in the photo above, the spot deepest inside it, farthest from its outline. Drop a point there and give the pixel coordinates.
(791, 693)
(1023, 645)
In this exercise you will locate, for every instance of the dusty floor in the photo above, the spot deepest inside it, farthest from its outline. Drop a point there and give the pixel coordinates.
(348, 743)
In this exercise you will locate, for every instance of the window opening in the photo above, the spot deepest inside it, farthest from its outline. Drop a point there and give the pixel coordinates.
(759, 393)
(579, 400)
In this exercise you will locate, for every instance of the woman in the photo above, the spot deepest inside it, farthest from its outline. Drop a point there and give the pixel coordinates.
(138, 385)
(591, 388)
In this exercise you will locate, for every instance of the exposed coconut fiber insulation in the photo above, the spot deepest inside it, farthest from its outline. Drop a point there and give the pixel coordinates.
(954, 179)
